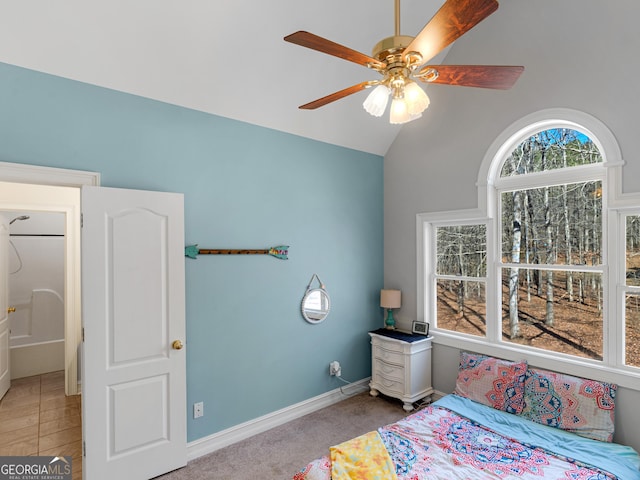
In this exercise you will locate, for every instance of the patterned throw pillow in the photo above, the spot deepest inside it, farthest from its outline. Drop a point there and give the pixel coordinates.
(584, 407)
(491, 381)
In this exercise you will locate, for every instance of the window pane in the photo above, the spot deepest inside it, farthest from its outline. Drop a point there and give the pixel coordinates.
(462, 250)
(560, 311)
(550, 150)
(632, 330)
(461, 306)
(633, 250)
(558, 225)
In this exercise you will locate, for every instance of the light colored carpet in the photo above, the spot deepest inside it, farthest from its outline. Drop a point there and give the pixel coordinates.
(282, 451)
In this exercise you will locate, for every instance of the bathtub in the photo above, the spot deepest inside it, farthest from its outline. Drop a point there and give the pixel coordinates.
(37, 334)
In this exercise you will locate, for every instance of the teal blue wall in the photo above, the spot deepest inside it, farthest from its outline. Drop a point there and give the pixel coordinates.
(249, 352)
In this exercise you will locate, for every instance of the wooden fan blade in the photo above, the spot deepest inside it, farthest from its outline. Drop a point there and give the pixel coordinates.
(314, 42)
(454, 19)
(500, 77)
(335, 96)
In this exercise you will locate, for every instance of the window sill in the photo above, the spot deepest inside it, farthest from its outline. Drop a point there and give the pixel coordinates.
(627, 377)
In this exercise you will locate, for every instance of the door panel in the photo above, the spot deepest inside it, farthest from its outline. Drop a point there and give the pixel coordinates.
(134, 383)
(131, 400)
(138, 240)
(5, 371)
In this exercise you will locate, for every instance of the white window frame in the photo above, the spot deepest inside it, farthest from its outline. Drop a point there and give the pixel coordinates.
(448, 219)
(619, 341)
(615, 207)
(577, 174)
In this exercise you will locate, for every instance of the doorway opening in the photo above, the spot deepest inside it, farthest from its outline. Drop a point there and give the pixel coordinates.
(31, 191)
(28, 188)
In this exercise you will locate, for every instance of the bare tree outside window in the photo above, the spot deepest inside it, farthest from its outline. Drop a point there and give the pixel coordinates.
(632, 297)
(551, 249)
(461, 268)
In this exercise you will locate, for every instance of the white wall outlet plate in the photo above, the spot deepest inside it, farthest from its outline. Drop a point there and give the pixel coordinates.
(198, 410)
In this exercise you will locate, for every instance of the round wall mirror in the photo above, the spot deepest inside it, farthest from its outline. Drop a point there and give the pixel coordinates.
(315, 303)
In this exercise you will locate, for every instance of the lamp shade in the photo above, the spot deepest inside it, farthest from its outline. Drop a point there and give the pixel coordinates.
(390, 298)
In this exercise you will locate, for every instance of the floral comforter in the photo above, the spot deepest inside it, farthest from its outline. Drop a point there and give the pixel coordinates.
(446, 441)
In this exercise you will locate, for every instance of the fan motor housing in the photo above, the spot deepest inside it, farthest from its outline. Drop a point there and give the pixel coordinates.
(391, 46)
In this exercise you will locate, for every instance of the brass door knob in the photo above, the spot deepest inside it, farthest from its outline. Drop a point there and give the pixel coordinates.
(11, 309)
(177, 345)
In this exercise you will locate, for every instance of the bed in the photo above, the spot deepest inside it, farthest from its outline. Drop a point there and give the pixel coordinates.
(504, 421)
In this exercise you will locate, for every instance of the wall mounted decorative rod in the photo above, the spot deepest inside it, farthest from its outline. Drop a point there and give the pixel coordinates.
(280, 252)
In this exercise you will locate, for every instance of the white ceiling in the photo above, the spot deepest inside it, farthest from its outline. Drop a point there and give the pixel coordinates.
(225, 57)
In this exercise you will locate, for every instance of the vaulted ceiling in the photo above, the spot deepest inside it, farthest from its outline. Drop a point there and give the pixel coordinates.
(224, 57)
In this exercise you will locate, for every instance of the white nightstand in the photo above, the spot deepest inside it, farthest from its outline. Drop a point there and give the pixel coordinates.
(401, 366)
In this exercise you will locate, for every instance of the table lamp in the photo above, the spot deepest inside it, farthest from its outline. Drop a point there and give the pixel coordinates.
(390, 299)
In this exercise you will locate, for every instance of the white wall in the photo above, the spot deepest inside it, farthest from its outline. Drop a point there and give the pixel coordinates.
(578, 54)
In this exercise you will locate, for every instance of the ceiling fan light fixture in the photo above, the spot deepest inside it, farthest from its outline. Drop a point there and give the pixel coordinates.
(401, 59)
(399, 112)
(376, 102)
(416, 98)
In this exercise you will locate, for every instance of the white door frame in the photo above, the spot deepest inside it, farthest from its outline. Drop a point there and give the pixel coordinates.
(43, 182)
(5, 327)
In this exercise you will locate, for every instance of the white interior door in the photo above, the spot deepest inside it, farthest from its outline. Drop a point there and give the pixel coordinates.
(5, 371)
(133, 380)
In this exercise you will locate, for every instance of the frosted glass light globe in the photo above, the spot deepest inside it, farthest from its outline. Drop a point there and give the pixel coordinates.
(376, 101)
(416, 98)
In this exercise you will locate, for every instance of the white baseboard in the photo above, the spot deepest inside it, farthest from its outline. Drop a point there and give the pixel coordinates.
(227, 437)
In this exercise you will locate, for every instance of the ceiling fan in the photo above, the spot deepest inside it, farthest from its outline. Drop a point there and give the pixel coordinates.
(401, 60)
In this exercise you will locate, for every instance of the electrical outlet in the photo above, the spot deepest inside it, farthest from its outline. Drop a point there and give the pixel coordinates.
(198, 410)
(335, 369)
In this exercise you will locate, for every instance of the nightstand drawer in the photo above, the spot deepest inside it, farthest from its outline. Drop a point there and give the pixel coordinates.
(389, 370)
(388, 355)
(390, 345)
(390, 386)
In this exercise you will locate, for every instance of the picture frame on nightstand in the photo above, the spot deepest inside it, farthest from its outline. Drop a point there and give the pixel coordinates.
(421, 328)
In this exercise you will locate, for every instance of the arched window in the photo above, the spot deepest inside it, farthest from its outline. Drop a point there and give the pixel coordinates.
(547, 266)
